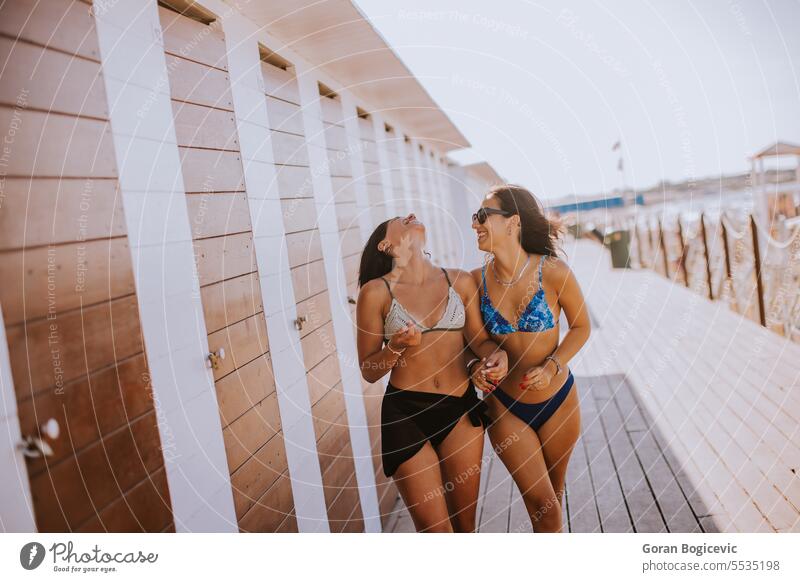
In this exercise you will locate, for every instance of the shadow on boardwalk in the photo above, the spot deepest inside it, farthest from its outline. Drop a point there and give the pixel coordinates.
(622, 475)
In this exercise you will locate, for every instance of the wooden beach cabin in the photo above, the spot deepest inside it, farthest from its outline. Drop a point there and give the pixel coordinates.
(185, 189)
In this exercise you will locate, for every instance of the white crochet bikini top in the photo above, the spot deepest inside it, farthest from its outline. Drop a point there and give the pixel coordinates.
(452, 318)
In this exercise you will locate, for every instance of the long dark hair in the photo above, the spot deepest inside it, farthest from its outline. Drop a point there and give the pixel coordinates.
(374, 263)
(538, 234)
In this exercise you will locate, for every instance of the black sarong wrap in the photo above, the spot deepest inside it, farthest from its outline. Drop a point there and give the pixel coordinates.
(410, 417)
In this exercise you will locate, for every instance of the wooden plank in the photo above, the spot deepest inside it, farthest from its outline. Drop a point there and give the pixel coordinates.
(331, 443)
(343, 189)
(339, 164)
(496, 505)
(52, 145)
(38, 78)
(190, 39)
(366, 129)
(60, 24)
(256, 475)
(351, 265)
(280, 83)
(50, 352)
(582, 505)
(200, 126)
(303, 247)
(200, 84)
(347, 217)
(639, 498)
(317, 345)
(308, 280)
(243, 342)
(239, 391)
(294, 182)
(248, 433)
(299, 214)
(211, 170)
(331, 110)
(43, 211)
(46, 280)
(88, 408)
(327, 410)
(224, 257)
(289, 149)
(218, 214)
(335, 137)
(229, 301)
(317, 310)
(272, 508)
(144, 508)
(372, 177)
(284, 116)
(611, 505)
(350, 242)
(69, 493)
(322, 378)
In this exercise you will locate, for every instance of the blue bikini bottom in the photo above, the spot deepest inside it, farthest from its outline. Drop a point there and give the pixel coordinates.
(535, 415)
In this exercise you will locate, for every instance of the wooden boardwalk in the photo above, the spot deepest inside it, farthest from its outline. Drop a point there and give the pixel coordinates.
(690, 417)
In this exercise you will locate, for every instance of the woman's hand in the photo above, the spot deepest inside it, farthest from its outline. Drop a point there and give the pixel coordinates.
(407, 336)
(537, 378)
(488, 373)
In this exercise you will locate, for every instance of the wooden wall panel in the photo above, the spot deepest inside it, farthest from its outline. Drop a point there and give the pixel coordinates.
(308, 274)
(63, 25)
(71, 313)
(221, 225)
(50, 211)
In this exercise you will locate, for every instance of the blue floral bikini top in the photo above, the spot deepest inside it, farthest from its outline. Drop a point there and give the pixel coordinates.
(536, 317)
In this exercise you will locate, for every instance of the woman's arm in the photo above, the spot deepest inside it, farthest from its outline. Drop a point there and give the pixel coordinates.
(375, 358)
(570, 297)
(494, 360)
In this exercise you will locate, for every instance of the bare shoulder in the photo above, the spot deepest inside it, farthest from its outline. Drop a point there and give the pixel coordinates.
(373, 292)
(460, 279)
(556, 272)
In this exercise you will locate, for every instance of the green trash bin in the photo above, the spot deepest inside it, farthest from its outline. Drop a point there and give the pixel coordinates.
(618, 243)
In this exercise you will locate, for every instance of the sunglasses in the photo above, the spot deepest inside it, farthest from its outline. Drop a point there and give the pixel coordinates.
(483, 213)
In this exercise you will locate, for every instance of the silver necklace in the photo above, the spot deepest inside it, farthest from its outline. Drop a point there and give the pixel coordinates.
(516, 279)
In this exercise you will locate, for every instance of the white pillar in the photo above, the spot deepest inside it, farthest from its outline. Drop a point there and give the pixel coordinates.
(355, 148)
(403, 170)
(167, 287)
(337, 292)
(280, 309)
(385, 166)
(16, 508)
(431, 198)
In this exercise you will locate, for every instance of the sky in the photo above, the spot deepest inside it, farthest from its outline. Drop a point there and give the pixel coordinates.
(543, 90)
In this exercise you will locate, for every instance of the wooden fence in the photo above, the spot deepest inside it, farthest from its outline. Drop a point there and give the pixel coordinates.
(722, 259)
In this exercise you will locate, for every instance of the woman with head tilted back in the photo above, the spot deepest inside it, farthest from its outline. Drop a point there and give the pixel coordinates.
(415, 321)
(523, 290)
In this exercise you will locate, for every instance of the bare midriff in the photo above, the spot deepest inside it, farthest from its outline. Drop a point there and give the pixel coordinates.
(436, 365)
(527, 350)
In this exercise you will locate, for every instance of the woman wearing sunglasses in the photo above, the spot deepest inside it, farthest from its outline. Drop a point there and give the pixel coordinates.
(524, 288)
(415, 321)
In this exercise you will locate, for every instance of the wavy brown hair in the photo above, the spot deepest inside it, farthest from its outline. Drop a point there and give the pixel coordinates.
(538, 234)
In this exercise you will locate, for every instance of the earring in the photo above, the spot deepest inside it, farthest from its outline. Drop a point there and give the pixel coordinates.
(508, 230)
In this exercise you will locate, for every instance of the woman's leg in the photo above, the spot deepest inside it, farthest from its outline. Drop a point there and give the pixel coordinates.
(518, 446)
(558, 436)
(419, 481)
(460, 458)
